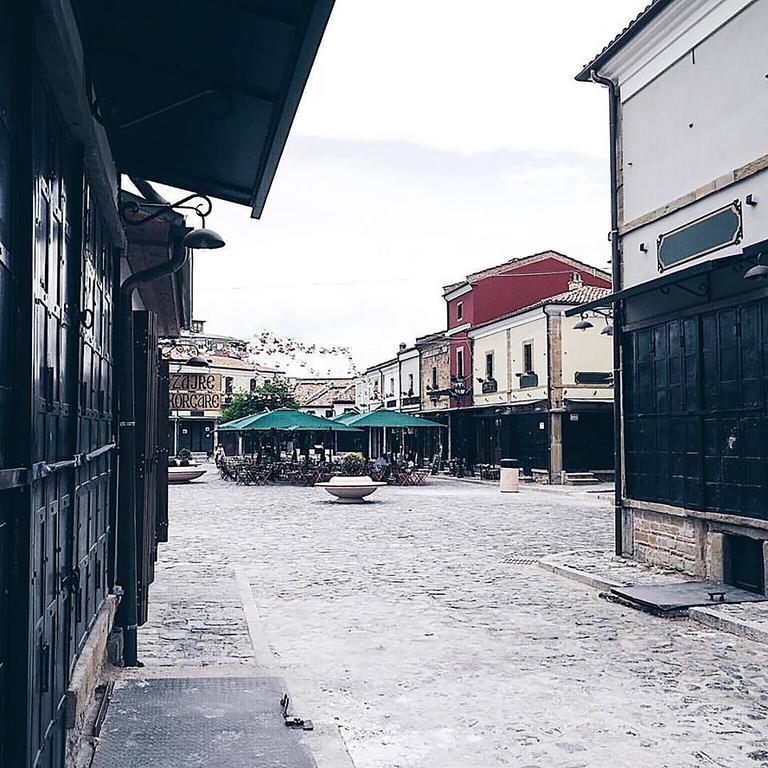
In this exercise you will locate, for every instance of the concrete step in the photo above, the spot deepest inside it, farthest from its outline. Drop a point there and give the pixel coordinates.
(580, 478)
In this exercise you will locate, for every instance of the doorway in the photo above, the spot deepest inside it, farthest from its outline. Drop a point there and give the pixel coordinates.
(744, 566)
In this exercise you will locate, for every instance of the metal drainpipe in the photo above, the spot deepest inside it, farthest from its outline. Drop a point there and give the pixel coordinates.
(127, 523)
(614, 101)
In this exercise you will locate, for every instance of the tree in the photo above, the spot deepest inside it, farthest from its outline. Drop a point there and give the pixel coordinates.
(268, 396)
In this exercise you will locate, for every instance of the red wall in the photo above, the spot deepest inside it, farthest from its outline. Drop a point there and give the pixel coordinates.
(468, 300)
(462, 340)
(498, 295)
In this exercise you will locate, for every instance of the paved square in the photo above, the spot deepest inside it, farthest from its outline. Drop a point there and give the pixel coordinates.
(419, 627)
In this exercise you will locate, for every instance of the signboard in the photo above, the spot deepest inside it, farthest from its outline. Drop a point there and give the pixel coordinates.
(195, 392)
(709, 233)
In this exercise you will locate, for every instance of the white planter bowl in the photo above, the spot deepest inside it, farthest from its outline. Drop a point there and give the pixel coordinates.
(184, 474)
(350, 490)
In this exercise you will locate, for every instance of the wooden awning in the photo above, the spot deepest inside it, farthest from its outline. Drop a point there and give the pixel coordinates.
(201, 94)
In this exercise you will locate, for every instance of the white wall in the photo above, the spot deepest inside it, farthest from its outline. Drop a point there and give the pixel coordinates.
(692, 122)
(588, 350)
(368, 391)
(389, 373)
(505, 339)
(409, 366)
(720, 88)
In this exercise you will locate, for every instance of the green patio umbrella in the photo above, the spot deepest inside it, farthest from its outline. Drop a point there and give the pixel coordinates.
(390, 420)
(345, 418)
(233, 425)
(288, 420)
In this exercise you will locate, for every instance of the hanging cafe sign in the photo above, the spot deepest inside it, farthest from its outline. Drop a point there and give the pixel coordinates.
(195, 392)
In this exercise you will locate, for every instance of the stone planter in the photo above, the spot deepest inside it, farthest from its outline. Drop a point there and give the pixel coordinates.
(350, 490)
(184, 474)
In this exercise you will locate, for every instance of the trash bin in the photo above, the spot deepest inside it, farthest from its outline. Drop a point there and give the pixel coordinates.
(509, 476)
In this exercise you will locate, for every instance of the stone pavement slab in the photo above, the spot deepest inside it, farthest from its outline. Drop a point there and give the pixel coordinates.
(602, 569)
(199, 723)
(420, 630)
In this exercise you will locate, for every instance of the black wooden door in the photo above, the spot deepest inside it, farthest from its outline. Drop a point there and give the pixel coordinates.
(8, 308)
(56, 320)
(695, 407)
(56, 411)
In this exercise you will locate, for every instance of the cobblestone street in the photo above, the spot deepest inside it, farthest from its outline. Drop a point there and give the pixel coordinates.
(421, 627)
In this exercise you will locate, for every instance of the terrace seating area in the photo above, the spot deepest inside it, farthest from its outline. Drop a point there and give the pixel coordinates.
(245, 470)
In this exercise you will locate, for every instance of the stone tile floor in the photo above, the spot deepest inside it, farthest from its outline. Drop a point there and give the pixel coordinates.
(417, 627)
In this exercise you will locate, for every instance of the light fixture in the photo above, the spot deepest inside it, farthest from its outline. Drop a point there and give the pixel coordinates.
(198, 361)
(607, 331)
(756, 272)
(583, 324)
(203, 238)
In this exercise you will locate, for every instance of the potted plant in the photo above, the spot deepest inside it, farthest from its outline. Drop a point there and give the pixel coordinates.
(352, 465)
(351, 485)
(183, 468)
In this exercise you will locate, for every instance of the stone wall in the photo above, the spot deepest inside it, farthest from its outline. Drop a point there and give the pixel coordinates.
(669, 541)
(434, 356)
(691, 545)
(81, 704)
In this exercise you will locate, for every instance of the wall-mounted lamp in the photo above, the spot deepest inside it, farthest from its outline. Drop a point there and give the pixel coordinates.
(201, 238)
(583, 324)
(757, 272)
(198, 361)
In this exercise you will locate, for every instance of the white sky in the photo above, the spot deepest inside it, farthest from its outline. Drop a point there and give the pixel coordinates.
(435, 138)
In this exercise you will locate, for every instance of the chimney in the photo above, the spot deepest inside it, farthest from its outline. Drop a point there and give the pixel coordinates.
(575, 281)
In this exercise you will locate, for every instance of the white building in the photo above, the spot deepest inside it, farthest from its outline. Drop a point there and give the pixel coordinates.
(543, 391)
(205, 372)
(409, 376)
(687, 89)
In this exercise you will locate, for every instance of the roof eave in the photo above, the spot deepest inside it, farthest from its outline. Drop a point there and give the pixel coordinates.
(620, 41)
(304, 60)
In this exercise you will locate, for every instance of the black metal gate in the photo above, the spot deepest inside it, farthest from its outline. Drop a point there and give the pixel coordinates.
(695, 405)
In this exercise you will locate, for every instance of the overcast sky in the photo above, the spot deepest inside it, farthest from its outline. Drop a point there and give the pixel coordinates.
(435, 138)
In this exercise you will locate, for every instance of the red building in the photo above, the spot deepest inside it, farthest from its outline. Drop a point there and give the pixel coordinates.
(498, 291)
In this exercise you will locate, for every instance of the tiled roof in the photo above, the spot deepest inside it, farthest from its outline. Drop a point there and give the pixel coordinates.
(575, 297)
(224, 361)
(324, 392)
(648, 14)
(520, 261)
(430, 338)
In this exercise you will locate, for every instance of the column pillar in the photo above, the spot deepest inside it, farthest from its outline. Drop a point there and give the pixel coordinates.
(555, 394)
(555, 446)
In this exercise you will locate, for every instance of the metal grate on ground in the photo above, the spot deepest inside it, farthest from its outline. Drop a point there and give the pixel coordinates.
(199, 723)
